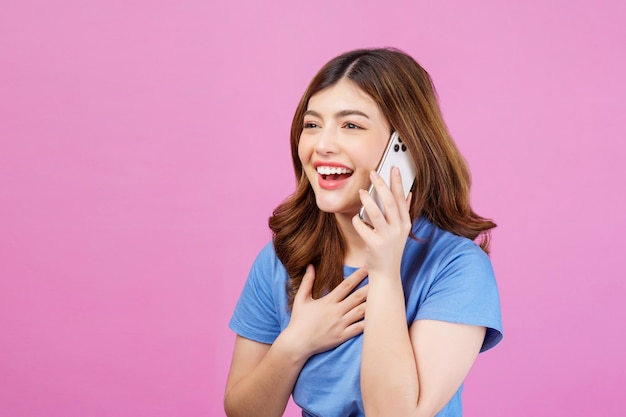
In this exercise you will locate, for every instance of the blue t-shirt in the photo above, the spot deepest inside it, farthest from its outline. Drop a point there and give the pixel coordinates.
(445, 277)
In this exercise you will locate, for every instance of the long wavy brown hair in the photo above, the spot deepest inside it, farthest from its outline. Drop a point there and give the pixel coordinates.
(404, 91)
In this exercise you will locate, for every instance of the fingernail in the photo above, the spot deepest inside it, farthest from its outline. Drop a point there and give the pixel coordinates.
(373, 174)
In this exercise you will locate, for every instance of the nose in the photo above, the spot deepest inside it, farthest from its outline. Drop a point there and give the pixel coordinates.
(326, 142)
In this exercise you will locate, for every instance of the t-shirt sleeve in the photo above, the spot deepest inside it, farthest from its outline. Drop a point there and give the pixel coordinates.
(465, 291)
(256, 316)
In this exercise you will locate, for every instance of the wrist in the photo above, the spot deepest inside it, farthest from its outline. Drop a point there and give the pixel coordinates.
(290, 346)
(385, 274)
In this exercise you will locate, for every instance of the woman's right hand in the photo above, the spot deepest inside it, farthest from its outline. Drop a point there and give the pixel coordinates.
(319, 325)
(262, 376)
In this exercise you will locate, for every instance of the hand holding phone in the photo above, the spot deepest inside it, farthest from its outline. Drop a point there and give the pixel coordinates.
(396, 155)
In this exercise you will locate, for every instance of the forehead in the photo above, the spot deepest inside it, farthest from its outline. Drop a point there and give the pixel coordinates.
(340, 96)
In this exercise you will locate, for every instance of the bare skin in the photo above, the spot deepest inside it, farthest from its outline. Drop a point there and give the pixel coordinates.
(405, 370)
(410, 371)
(262, 376)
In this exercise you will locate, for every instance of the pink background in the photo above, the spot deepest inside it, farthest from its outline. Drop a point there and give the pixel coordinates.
(143, 144)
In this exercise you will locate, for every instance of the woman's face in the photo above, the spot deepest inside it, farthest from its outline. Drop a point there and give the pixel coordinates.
(344, 135)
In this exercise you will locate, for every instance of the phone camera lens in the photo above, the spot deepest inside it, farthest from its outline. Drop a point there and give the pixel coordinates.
(396, 147)
(403, 148)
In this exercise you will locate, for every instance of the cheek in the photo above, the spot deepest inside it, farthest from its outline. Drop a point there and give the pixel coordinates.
(370, 161)
(304, 152)
(375, 157)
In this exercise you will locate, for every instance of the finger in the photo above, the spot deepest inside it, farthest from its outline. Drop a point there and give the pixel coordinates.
(396, 186)
(403, 203)
(356, 314)
(354, 329)
(355, 299)
(370, 206)
(386, 195)
(348, 284)
(305, 291)
(405, 215)
(363, 229)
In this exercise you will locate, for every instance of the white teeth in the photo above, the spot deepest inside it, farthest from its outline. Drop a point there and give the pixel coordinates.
(323, 170)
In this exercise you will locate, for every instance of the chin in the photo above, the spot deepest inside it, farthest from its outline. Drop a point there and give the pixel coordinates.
(327, 207)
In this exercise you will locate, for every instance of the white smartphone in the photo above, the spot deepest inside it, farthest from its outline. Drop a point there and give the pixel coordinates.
(396, 155)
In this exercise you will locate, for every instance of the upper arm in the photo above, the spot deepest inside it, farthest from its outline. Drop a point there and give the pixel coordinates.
(444, 354)
(247, 354)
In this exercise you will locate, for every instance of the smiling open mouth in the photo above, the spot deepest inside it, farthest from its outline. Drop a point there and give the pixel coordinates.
(334, 173)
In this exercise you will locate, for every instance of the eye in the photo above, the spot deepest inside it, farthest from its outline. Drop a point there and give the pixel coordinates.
(309, 125)
(350, 125)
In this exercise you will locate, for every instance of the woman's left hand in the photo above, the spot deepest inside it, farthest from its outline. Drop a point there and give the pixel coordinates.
(386, 239)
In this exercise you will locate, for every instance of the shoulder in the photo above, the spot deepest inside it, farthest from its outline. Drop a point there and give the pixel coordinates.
(449, 254)
(267, 262)
(261, 311)
(437, 243)
(267, 253)
(456, 280)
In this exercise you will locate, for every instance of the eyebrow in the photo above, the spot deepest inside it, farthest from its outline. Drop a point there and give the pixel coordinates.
(339, 114)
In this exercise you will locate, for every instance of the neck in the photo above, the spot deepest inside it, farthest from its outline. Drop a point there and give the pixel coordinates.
(355, 246)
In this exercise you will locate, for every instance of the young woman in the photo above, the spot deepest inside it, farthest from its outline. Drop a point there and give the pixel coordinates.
(360, 320)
